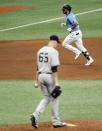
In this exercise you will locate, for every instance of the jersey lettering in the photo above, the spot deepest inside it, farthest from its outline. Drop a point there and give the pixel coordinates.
(43, 57)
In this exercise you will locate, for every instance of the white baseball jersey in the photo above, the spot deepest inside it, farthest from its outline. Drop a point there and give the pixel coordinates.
(46, 58)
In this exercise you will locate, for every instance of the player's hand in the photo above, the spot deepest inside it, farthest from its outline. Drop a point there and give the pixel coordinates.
(36, 84)
(63, 24)
(69, 29)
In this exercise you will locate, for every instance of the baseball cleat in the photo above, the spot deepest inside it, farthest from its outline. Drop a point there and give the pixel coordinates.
(89, 62)
(77, 55)
(34, 121)
(59, 125)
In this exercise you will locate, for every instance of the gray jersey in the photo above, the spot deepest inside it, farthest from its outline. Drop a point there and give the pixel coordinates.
(46, 58)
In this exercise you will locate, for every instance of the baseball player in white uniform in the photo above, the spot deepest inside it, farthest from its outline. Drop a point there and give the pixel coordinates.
(47, 78)
(75, 35)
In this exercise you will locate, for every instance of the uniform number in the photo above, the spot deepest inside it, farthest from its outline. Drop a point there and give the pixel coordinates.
(43, 57)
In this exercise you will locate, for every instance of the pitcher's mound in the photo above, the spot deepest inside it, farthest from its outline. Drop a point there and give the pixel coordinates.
(73, 125)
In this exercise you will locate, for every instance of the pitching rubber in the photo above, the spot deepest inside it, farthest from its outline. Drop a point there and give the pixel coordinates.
(71, 125)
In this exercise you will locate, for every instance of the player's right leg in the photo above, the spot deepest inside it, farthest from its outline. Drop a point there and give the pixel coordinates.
(43, 104)
(39, 110)
(67, 44)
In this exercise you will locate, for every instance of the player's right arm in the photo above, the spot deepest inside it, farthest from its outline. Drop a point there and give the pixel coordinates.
(36, 81)
(36, 77)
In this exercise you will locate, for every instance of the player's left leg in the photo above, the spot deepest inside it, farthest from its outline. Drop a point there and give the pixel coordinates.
(84, 51)
(55, 115)
(54, 102)
(55, 105)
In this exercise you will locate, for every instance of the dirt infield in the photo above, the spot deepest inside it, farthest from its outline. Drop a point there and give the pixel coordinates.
(80, 125)
(18, 60)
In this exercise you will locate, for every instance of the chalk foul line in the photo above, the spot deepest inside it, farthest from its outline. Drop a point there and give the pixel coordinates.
(50, 20)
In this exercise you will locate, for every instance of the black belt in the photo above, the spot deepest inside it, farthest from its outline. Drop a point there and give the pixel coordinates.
(45, 72)
(77, 33)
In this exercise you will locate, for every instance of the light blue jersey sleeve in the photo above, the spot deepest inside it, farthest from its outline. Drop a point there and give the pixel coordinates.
(70, 21)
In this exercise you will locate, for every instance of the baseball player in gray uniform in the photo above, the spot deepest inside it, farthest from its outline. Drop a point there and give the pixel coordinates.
(75, 35)
(47, 78)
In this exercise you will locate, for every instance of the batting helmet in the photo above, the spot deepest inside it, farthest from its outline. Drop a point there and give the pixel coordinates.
(66, 7)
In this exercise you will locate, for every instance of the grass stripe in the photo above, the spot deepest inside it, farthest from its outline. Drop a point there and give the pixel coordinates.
(50, 20)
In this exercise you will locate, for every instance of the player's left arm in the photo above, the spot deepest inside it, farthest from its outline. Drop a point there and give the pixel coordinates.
(73, 26)
(57, 90)
(74, 23)
(55, 73)
(54, 66)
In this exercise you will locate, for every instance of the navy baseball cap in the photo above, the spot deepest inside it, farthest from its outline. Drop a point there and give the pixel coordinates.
(66, 7)
(54, 37)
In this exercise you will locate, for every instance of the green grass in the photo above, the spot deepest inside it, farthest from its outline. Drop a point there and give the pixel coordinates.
(41, 10)
(81, 99)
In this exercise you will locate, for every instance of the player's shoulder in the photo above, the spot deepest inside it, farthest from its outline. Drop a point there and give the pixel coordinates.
(70, 15)
(41, 49)
(54, 50)
(47, 49)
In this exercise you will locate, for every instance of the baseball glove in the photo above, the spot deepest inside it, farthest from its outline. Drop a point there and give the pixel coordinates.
(56, 92)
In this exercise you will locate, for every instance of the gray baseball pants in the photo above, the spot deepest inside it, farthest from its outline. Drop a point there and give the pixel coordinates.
(47, 84)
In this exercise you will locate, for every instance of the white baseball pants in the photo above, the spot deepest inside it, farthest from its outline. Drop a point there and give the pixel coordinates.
(75, 37)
